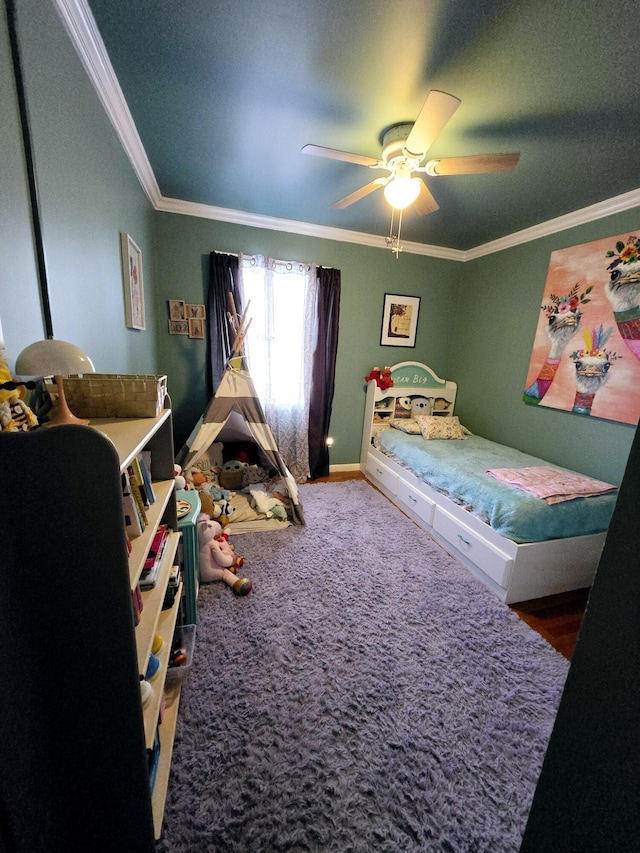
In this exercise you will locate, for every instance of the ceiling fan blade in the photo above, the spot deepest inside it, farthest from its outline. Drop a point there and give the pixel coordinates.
(475, 164)
(361, 193)
(334, 154)
(425, 203)
(435, 113)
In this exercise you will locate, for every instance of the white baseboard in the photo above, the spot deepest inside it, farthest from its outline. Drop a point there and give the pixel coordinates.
(346, 466)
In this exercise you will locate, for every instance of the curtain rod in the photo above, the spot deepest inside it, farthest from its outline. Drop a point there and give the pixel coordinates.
(237, 255)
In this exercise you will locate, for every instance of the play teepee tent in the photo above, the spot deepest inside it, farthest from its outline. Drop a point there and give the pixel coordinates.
(235, 413)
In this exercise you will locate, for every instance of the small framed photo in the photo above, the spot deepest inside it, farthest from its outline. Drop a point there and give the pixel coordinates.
(197, 312)
(176, 309)
(399, 320)
(133, 284)
(178, 327)
(196, 327)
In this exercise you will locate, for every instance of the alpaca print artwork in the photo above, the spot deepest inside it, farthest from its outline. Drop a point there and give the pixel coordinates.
(586, 351)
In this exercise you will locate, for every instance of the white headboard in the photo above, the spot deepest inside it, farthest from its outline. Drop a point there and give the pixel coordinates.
(411, 381)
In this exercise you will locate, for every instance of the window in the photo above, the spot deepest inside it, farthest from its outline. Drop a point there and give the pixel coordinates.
(291, 347)
(280, 299)
(275, 343)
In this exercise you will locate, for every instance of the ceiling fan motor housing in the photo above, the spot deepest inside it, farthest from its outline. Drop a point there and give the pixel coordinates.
(393, 143)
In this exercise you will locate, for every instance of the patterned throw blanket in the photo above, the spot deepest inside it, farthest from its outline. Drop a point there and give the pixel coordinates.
(551, 484)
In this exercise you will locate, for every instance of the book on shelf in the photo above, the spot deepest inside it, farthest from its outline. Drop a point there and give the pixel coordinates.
(136, 597)
(144, 461)
(136, 468)
(172, 587)
(155, 550)
(136, 492)
(151, 569)
(132, 520)
(153, 759)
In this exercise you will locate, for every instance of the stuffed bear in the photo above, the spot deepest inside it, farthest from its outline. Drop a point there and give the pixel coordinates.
(218, 561)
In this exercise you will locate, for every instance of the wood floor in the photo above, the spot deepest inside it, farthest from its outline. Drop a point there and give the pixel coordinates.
(557, 618)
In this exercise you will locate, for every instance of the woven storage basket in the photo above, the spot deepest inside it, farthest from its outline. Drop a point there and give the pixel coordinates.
(108, 395)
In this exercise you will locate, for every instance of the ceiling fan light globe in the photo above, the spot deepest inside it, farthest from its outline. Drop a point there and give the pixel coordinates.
(401, 192)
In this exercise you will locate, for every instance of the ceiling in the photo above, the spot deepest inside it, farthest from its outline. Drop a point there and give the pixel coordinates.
(225, 93)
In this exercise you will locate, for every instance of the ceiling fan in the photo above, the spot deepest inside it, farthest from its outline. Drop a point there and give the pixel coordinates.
(404, 147)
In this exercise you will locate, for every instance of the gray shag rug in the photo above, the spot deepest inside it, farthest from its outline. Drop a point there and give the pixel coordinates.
(368, 695)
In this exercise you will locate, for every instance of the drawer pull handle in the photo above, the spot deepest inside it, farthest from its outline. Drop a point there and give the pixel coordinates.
(411, 498)
(464, 541)
(378, 472)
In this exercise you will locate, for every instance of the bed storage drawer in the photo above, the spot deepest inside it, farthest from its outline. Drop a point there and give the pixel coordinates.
(382, 475)
(419, 505)
(490, 560)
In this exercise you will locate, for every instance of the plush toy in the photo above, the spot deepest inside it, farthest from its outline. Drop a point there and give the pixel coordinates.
(385, 380)
(375, 374)
(210, 507)
(218, 561)
(198, 478)
(421, 406)
(382, 377)
(253, 474)
(15, 415)
(181, 482)
(230, 475)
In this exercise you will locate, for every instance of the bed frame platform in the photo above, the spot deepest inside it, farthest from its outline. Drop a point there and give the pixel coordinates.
(513, 572)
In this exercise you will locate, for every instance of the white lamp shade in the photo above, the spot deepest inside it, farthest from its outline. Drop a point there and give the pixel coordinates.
(401, 192)
(53, 358)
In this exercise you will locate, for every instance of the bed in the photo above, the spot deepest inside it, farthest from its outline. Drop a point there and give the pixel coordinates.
(523, 541)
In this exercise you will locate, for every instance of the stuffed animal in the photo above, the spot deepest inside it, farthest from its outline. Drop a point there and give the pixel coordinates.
(375, 374)
(218, 561)
(15, 415)
(181, 482)
(382, 377)
(421, 406)
(230, 475)
(385, 380)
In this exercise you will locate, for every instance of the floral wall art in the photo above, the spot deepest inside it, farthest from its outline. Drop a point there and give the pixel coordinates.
(586, 351)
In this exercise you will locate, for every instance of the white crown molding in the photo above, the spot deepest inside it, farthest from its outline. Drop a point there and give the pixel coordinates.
(83, 32)
(617, 204)
(305, 229)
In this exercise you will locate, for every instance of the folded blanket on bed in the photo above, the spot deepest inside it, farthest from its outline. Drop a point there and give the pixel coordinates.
(551, 484)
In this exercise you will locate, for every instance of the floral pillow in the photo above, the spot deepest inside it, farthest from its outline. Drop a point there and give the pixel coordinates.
(434, 427)
(406, 425)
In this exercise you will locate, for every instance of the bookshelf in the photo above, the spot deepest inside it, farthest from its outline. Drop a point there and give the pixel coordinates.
(74, 736)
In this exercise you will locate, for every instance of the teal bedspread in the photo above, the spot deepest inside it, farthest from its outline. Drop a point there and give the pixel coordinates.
(457, 469)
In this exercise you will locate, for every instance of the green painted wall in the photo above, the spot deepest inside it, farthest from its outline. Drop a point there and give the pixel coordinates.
(88, 194)
(495, 323)
(182, 248)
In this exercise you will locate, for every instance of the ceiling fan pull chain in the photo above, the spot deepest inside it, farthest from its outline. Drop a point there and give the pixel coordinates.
(398, 248)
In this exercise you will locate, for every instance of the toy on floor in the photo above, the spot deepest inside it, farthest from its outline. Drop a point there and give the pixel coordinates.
(218, 561)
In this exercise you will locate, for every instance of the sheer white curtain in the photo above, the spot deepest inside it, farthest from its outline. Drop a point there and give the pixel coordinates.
(279, 346)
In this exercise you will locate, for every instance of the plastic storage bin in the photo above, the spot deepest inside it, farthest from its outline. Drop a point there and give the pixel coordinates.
(185, 636)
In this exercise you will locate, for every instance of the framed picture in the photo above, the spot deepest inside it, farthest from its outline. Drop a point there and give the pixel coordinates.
(176, 309)
(194, 311)
(399, 320)
(133, 284)
(196, 327)
(178, 327)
